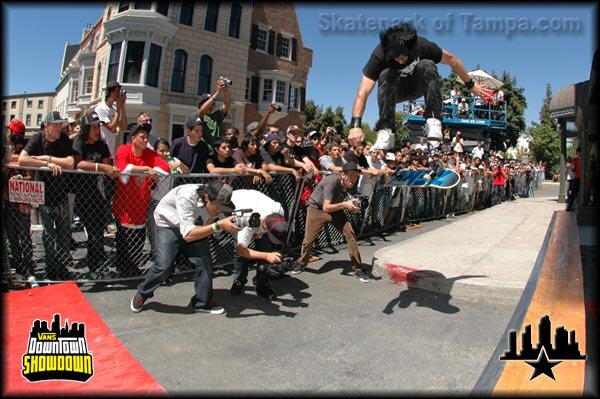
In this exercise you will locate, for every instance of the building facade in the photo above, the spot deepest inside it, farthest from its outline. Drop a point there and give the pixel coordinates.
(30, 108)
(167, 54)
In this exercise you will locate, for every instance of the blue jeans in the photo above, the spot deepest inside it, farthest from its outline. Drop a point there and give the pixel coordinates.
(241, 265)
(56, 238)
(168, 243)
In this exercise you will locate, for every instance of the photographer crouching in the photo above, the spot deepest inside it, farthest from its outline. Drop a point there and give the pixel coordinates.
(332, 195)
(184, 218)
(266, 225)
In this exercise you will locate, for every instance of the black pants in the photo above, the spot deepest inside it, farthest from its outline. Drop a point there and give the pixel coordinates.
(241, 265)
(393, 89)
(573, 192)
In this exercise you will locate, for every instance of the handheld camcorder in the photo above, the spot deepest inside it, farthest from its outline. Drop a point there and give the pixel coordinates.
(361, 201)
(228, 82)
(277, 107)
(122, 92)
(246, 218)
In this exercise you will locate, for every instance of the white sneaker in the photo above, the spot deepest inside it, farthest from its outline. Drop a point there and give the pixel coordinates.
(433, 129)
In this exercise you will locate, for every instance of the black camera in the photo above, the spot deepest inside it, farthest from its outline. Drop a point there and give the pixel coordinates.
(244, 218)
(122, 92)
(278, 108)
(278, 269)
(227, 82)
(361, 201)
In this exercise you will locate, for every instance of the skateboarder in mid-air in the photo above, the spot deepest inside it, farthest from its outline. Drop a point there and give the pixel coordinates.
(404, 65)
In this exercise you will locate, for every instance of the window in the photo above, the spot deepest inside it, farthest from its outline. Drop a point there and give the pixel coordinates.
(88, 80)
(123, 6)
(39, 120)
(268, 90)
(98, 71)
(187, 13)
(293, 98)
(113, 62)
(284, 47)
(261, 39)
(212, 14)
(235, 19)
(133, 62)
(13, 104)
(12, 117)
(74, 91)
(205, 74)
(153, 65)
(280, 92)
(162, 7)
(28, 120)
(247, 92)
(142, 5)
(178, 76)
(29, 103)
(4, 106)
(40, 104)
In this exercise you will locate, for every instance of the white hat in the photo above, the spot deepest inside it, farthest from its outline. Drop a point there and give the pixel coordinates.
(390, 156)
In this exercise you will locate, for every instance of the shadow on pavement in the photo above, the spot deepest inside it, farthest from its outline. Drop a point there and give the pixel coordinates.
(436, 296)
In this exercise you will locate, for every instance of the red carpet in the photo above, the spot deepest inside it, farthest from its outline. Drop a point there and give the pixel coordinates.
(115, 370)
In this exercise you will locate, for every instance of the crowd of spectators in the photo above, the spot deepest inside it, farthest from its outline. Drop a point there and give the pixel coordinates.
(135, 172)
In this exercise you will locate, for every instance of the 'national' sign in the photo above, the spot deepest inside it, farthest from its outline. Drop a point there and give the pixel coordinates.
(26, 192)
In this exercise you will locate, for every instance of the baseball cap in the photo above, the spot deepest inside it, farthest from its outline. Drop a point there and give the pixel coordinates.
(203, 98)
(251, 126)
(349, 166)
(90, 118)
(17, 127)
(307, 143)
(220, 194)
(276, 227)
(194, 120)
(111, 85)
(54, 117)
(140, 126)
(293, 128)
(70, 120)
(271, 137)
(390, 156)
(314, 133)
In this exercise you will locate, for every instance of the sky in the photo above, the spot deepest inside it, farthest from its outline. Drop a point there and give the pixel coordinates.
(537, 44)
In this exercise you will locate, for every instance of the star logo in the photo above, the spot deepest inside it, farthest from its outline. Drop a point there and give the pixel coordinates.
(542, 365)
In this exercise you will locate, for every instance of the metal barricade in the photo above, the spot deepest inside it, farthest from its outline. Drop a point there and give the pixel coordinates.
(77, 235)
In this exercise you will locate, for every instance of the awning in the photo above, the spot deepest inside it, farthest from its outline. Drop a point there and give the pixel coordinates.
(564, 103)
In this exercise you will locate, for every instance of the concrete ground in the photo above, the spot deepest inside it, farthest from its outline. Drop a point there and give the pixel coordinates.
(329, 333)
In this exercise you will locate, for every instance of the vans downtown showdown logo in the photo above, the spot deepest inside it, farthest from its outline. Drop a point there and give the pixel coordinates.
(57, 353)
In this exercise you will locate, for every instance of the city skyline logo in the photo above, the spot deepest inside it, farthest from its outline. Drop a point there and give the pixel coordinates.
(544, 356)
(57, 353)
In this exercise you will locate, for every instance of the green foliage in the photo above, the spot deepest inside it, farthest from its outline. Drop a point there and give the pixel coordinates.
(320, 119)
(370, 134)
(545, 145)
(545, 111)
(515, 109)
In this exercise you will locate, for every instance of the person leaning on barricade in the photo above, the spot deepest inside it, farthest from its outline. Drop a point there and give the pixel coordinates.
(221, 161)
(326, 205)
(132, 197)
(264, 223)
(274, 159)
(91, 203)
(190, 149)
(184, 219)
(52, 149)
(249, 155)
(332, 161)
(16, 217)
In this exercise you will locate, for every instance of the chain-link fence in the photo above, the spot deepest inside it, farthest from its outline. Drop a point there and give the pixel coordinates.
(95, 228)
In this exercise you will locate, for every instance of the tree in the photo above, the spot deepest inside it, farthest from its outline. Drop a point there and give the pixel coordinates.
(515, 119)
(545, 145)
(545, 117)
(313, 115)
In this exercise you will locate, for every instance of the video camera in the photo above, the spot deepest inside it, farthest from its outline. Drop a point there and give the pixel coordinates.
(228, 82)
(246, 218)
(361, 201)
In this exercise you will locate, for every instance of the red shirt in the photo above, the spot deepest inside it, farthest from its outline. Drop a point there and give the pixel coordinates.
(131, 200)
(499, 178)
(576, 162)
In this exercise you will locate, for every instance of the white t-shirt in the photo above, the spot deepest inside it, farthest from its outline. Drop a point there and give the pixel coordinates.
(182, 208)
(258, 202)
(478, 152)
(106, 115)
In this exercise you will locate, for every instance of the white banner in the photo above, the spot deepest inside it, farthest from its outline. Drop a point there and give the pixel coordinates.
(26, 192)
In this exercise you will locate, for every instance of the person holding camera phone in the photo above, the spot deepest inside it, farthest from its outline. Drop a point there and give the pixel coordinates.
(113, 113)
(264, 222)
(326, 205)
(184, 218)
(214, 118)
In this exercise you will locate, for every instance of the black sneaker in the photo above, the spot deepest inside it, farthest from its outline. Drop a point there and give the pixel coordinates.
(297, 267)
(237, 288)
(137, 303)
(211, 308)
(362, 276)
